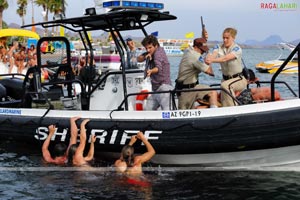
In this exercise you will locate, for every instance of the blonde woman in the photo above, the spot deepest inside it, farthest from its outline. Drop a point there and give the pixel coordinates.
(229, 55)
(130, 164)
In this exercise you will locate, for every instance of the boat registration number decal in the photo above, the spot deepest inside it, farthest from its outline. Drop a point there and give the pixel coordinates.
(4, 111)
(181, 114)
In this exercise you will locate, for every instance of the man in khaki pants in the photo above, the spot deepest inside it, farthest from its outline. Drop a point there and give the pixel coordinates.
(191, 65)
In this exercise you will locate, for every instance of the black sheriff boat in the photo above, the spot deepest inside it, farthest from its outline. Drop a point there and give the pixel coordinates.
(258, 134)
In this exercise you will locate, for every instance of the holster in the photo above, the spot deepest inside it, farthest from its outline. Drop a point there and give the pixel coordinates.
(178, 86)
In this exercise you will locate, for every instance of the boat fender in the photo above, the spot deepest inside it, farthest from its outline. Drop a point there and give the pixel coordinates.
(139, 101)
(45, 75)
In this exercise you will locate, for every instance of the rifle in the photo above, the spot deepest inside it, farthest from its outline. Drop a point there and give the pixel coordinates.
(147, 66)
(203, 29)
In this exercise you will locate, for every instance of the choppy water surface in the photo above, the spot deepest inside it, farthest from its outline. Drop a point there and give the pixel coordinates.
(26, 177)
(23, 174)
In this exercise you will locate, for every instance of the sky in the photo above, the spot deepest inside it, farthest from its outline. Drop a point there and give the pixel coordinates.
(254, 19)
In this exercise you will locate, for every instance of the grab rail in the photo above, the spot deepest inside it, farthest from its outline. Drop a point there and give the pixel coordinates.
(289, 58)
(266, 82)
(173, 92)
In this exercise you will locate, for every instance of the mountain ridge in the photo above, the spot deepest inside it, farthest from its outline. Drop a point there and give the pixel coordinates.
(270, 40)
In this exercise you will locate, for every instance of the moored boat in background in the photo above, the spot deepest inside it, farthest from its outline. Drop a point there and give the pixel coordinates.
(175, 47)
(272, 66)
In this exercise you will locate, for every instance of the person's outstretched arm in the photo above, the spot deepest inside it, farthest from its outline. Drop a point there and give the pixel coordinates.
(133, 139)
(73, 131)
(46, 153)
(222, 59)
(150, 150)
(81, 146)
(90, 155)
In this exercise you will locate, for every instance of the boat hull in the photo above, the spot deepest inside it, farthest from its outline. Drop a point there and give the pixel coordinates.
(246, 159)
(189, 135)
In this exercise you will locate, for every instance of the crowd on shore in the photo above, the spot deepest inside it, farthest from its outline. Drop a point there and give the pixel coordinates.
(16, 54)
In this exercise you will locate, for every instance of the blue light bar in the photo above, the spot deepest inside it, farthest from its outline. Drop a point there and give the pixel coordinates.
(109, 4)
(133, 5)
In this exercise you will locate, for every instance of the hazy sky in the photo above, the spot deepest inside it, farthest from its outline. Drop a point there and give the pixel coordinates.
(247, 16)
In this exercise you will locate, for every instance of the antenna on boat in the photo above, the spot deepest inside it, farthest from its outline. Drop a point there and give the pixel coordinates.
(63, 7)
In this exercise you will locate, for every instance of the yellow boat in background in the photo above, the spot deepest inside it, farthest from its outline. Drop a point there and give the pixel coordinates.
(18, 32)
(272, 66)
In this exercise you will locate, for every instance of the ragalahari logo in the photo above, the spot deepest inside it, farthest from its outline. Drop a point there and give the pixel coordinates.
(283, 6)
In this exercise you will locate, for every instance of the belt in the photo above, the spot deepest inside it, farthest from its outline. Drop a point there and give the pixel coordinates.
(232, 76)
(192, 85)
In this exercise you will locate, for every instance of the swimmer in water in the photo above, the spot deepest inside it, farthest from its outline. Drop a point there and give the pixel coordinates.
(130, 164)
(76, 157)
(60, 152)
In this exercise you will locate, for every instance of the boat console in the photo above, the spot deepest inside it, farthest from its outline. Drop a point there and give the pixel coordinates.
(106, 91)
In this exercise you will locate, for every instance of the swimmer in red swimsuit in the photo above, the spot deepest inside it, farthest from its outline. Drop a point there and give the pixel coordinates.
(130, 164)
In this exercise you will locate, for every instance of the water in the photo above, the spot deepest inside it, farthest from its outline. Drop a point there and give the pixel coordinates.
(23, 174)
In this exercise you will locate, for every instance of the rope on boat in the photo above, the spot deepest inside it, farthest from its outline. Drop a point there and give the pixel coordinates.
(232, 120)
(5, 121)
(9, 121)
(110, 114)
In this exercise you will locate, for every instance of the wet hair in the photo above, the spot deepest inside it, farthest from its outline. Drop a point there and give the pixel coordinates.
(231, 31)
(252, 76)
(150, 39)
(127, 155)
(59, 150)
(71, 153)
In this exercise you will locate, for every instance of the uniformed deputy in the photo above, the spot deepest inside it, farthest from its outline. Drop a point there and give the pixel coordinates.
(229, 55)
(192, 63)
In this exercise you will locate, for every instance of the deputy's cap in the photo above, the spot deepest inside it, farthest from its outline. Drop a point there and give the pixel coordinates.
(201, 44)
